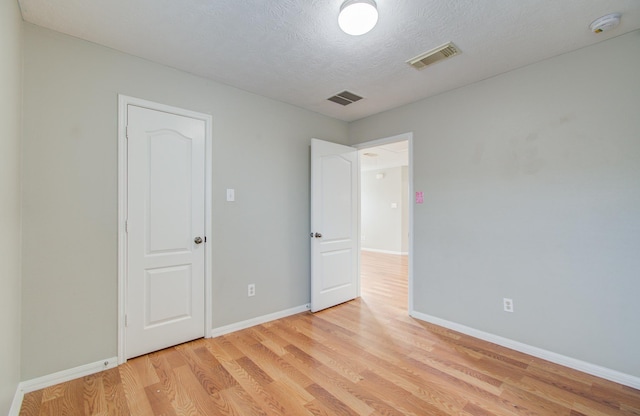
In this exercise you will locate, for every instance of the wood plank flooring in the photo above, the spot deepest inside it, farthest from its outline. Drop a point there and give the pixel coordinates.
(365, 357)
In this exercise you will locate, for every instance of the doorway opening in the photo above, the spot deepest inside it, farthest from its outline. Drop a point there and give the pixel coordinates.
(386, 219)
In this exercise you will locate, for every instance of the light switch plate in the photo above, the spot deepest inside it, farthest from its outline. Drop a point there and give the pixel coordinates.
(231, 195)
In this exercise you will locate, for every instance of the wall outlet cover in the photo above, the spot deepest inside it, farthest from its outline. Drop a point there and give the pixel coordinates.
(507, 304)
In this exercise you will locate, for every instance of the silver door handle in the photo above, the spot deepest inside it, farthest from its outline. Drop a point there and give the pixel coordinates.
(197, 240)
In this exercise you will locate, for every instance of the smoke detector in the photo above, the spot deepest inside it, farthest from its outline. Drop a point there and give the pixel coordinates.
(605, 23)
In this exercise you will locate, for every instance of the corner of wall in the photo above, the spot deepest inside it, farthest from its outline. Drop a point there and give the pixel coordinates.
(10, 216)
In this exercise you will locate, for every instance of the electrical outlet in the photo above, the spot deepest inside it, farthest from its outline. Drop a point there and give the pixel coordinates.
(508, 304)
(251, 289)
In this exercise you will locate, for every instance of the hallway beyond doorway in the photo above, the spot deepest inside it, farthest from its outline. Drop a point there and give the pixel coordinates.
(384, 279)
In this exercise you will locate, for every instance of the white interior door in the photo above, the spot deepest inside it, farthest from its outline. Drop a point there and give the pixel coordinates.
(165, 225)
(334, 224)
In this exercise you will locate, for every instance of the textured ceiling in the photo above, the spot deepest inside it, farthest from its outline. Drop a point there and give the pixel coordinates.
(293, 50)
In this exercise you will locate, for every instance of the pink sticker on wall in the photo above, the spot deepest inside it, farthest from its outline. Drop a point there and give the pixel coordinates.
(419, 197)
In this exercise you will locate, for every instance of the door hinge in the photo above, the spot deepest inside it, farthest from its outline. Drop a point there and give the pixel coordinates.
(126, 323)
(126, 226)
(126, 132)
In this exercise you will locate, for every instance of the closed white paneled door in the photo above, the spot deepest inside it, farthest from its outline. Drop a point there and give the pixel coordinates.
(165, 302)
(334, 224)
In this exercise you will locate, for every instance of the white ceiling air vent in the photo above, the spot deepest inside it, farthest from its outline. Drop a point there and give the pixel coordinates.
(345, 98)
(434, 55)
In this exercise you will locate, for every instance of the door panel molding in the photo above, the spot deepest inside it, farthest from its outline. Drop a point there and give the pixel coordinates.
(123, 102)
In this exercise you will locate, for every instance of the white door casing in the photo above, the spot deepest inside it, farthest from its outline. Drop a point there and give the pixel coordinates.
(165, 289)
(335, 260)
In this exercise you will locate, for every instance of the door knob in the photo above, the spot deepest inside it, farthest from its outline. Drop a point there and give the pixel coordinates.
(197, 240)
(318, 235)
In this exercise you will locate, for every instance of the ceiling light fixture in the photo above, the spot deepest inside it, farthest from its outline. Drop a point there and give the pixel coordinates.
(357, 17)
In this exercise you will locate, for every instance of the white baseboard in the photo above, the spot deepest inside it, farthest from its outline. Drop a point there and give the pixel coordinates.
(585, 367)
(216, 332)
(66, 375)
(56, 378)
(16, 404)
(375, 250)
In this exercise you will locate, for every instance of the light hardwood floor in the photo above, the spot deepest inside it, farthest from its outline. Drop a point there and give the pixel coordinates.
(365, 357)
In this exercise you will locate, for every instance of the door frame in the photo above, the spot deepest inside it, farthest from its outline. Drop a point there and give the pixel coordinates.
(379, 142)
(123, 102)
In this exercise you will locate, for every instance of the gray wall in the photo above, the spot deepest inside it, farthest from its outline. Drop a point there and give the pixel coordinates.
(384, 228)
(260, 148)
(532, 191)
(10, 100)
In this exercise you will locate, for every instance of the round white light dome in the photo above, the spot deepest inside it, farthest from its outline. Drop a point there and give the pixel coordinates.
(357, 17)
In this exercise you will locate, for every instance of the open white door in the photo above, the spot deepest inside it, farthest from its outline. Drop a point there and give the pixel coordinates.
(334, 224)
(165, 302)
